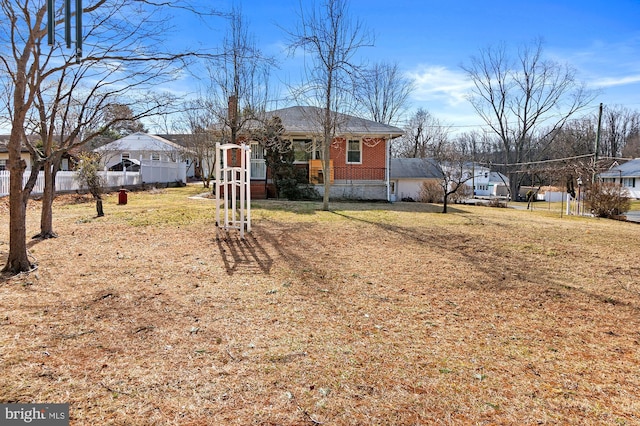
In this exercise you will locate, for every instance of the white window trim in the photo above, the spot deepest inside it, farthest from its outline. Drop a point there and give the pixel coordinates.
(359, 148)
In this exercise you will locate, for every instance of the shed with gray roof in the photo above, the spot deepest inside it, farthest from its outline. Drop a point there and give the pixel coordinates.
(408, 174)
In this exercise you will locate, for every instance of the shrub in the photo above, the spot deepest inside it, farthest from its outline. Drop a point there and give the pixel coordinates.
(497, 202)
(463, 192)
(88, 174)
(608, 199)
(430, 192)
(295, 187)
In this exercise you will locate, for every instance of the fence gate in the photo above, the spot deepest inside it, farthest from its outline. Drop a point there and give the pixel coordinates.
(233, 188)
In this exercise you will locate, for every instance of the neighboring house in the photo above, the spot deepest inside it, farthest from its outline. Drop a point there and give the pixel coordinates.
(408, 175)
(134, 151)
(4, 154)
(139, 146)
(359, 157)
(185, 140)
(486, 183)
(68, 160)
(627, 175)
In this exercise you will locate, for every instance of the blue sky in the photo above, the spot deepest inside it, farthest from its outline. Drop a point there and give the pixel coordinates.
(430, 39)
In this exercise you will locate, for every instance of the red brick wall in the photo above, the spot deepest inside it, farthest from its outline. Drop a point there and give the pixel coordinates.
(373, 160)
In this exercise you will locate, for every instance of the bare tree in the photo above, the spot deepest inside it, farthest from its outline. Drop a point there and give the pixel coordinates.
(632, 147)
(57, 92)
(117, 121)
(453, 162)
(332, 39)
(523, 100)
(203, 131)
(65, 116)
(619, 125)
(239, 79)
(384, 92)
(576, 138)
(421, 132)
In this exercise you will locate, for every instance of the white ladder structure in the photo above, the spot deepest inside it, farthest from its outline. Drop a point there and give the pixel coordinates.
(233, 188)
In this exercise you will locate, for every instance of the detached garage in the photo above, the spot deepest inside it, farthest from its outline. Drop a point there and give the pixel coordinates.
(408, 174)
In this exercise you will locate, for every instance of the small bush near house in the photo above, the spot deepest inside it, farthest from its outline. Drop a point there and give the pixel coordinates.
(463, 192)
(296, 187)
(430, 192)
(497, 202)
(608, 199)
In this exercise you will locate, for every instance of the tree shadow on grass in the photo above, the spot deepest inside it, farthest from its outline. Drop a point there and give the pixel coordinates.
(312, 207)
(500, 272)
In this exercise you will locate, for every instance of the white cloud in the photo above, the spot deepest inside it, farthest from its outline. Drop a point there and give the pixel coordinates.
(438, 83)
(616, 81)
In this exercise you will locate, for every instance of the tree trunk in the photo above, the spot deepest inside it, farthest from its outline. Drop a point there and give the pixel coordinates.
(326, 175)
(18, 259)
(326, 147)
(99, 207)
(444, 205)
(514, 186)
(46, 217)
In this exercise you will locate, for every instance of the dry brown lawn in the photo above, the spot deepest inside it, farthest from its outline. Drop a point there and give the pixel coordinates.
(372, 314)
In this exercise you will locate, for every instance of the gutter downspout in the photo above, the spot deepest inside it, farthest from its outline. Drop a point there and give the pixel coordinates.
(388, 168)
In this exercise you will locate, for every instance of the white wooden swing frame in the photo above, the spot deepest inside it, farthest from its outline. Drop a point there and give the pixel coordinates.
(233, 188)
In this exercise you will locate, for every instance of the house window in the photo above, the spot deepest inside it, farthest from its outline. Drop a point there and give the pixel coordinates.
(303, 150)
(392, 187)
(3, 165)
(125, 155)
(354, 151)
(155, 156)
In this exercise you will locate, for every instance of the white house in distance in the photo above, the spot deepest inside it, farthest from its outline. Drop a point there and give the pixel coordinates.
(486, 183)
(139, 146)
(138, 150)
(627, 175)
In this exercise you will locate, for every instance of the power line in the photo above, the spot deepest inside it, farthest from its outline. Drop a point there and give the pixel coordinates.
(530, 163)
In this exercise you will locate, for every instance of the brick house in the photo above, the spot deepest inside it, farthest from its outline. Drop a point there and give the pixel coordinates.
(359, 158)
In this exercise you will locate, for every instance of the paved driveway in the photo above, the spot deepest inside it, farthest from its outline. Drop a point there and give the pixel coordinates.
(633, 216)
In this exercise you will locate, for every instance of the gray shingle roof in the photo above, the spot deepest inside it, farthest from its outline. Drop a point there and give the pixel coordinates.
(496, 177)
(628, 169)
(305, 120)
(414, 168)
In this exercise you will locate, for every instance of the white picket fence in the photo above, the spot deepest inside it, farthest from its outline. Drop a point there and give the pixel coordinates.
(150, 172)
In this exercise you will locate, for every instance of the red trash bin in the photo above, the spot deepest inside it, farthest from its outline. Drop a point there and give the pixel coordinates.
(122, 196)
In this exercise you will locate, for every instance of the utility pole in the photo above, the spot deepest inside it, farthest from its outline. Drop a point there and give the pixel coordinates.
(595, 155)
